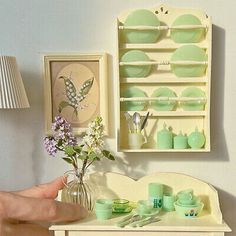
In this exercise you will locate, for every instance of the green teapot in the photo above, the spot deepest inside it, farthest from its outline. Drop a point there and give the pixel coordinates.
(196, 139)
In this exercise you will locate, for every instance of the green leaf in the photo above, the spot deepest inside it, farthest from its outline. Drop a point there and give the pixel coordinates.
(69, 150)
(78, 148)
(92, 156)
(82, 157)
(59, 143)
(86, 86)
(62, 105)
(68, 160)
(108, 155)
(69, 85)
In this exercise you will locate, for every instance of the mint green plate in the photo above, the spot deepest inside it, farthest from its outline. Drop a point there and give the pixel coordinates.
(189, 53)
(163, 105)
(135, 71)
(187, 35)
(193, 105)
(141, 17)
(133, 105)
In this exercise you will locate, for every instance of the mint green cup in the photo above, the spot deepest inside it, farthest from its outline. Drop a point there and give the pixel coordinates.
(136, 140)
(185, 196)
(168, 202)
(103, 214)
(103, 204)
(155, 194)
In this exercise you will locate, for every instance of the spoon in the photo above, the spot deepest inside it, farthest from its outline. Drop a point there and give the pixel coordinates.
(136, 120)
(129, 121)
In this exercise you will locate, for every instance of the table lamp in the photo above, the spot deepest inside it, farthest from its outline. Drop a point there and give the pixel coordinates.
(12, 91)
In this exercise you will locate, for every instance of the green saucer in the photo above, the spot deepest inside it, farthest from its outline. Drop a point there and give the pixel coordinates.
(189, 53)
(133, 105)
(187, 35)
(193, 105)
(163, 105)
(141, 17)
(132, 70)
(126, 210)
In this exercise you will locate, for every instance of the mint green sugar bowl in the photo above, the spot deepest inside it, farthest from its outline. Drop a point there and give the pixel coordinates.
(180, 141)
(196, 139)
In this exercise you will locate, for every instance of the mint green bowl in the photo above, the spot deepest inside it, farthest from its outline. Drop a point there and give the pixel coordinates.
(141, 17)
(187, 35)
(189, 211)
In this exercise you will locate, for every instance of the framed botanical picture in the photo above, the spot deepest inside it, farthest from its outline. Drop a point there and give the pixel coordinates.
(75, 88)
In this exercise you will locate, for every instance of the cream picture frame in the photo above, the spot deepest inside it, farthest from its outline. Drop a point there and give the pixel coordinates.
(75, 87)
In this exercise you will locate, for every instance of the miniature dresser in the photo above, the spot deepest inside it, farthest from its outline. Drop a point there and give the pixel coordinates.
(113, 185)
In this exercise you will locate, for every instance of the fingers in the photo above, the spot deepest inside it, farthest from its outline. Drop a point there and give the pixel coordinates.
(34, 209)
(48, 190)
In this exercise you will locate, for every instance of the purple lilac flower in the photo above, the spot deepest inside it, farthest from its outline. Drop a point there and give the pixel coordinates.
(63, 131)
(50, 146)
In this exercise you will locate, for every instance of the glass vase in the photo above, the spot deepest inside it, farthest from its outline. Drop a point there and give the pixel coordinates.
(79, 190)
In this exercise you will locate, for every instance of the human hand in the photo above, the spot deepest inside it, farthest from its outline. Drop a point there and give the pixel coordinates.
(35, 204)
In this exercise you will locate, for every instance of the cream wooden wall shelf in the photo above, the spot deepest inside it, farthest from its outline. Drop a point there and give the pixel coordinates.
(160, 55)
(113, 185)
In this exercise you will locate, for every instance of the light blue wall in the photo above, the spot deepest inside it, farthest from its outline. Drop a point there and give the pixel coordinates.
(30, 28)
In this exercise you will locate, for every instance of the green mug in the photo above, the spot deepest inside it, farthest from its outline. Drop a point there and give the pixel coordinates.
(168, 202)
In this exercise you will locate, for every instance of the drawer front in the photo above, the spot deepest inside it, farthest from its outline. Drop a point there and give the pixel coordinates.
(140, 233)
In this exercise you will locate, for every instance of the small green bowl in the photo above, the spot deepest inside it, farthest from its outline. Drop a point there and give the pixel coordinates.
(120, 205)
(189, 211)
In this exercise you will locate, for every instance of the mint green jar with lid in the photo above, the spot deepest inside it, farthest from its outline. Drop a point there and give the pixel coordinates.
(196, 139)
(165, 138)
(180, 141)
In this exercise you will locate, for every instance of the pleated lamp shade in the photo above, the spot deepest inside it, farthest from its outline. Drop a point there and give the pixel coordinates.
(12, 90)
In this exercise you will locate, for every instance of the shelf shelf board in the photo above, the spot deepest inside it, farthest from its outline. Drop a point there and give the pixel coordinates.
(164, 44)
(164, 150)
(163, 79)
(170, 113)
